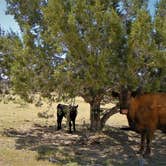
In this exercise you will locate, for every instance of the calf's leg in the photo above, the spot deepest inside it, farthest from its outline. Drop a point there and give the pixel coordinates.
(74, 128)
(70, 127)
(59, 123)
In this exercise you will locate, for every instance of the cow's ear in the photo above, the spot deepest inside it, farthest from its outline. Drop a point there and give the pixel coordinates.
(137, 92)
(115, 94)
(76, 106)
(134, 93)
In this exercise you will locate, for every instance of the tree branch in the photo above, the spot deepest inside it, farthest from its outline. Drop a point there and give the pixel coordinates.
(107, 114)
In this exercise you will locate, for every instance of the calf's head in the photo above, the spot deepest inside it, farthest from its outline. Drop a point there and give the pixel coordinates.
(73, 108)
(73, 112)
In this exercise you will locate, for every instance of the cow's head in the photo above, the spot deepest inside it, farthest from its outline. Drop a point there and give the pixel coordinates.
(124, 97)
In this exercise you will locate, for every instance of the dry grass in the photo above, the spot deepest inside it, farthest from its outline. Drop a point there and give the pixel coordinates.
(27, 140)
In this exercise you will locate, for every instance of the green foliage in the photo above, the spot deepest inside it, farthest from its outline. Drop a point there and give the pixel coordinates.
(80, 47)
(141, 47)
(160, 41)
(92, 34)
(9, 45)
(160, 24)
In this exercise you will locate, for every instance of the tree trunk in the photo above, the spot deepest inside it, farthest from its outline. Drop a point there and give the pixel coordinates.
(95, 116)
(97, 122)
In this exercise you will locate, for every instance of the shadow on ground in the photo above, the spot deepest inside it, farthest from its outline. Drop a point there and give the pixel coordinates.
(111, 147)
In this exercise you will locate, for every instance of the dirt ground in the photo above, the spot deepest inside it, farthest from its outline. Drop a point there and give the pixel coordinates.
(26, 140)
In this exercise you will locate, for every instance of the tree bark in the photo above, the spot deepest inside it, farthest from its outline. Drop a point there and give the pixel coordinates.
(95, 116)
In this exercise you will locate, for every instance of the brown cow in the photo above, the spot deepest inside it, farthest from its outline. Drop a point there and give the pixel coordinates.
(146, 112)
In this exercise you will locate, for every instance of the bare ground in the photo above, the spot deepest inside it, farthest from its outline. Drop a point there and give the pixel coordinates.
(112, 147)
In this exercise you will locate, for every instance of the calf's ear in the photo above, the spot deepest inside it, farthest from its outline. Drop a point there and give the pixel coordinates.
(76, 106)
(115, 94)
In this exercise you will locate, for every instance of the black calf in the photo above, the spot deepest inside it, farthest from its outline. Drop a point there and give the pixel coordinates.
(67, 111)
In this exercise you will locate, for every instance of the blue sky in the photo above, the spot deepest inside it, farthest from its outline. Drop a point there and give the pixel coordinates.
(7, 22)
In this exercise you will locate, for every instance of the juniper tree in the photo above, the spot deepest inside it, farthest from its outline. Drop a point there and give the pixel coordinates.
(85, 48)
(160, 40)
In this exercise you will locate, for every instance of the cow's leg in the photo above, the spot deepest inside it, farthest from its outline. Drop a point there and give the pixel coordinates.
(143, 136)
(149, 137)
(131, 123)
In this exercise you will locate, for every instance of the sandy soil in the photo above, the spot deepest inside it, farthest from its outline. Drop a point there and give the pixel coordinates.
(112, 147)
